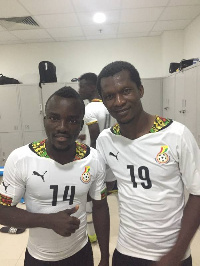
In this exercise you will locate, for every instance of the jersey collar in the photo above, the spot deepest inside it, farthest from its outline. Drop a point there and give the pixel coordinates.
(159, 124)
(96, 100)
(39, 147)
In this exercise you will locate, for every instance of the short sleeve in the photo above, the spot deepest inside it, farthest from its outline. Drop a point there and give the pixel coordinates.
(98, 189)
(189, 162)
(100, 148)
(12, 187)
(109, 175)
(90, 116)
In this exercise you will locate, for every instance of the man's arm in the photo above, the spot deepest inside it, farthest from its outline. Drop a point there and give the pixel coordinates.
(101, 219)
(62, 223)
(94, 133)
(190, 224)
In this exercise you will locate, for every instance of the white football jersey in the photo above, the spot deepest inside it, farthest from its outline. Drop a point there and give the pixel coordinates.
(151, 172)
(50, 187)
(96, 112)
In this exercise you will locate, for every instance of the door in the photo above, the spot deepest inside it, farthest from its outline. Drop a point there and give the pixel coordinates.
(9, 109)
(8, 143)
(179, 98)
(190, 100)
(169, 97)
(31, 108)
(152, 99)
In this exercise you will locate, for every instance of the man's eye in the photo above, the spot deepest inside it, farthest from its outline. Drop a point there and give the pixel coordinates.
(127, 90)
(109, 97)
(73, 121)
(53, 118)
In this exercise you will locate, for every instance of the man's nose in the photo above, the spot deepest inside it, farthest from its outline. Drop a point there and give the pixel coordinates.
(63, 125)
(119, 100)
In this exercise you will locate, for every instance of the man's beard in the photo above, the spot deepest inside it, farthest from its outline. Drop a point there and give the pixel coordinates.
(61, 150)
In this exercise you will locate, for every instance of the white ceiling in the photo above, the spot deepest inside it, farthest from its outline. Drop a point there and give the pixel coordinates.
(66, 20)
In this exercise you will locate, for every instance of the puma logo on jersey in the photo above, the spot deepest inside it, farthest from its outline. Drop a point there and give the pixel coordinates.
(112, 154)
(5, 186)
(42, 176)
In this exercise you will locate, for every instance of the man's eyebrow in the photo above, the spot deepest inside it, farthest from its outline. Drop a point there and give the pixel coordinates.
(52, 113)
(73, 116)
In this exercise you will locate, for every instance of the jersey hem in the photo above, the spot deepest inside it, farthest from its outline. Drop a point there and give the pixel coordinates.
(55, 258)
(137, 254)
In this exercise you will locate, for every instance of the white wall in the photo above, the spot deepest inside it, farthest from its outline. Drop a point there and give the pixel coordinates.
(192, 40)
(172, 49)
(75, 58)
(150, 55)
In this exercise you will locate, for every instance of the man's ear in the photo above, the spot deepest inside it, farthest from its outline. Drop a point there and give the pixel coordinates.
(141, 90)
(44, 120)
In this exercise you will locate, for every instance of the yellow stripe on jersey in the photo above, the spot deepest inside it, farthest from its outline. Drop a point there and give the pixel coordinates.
(159, 124)
(39, 147)
(96, 100)
(4, 200)
(91, 123)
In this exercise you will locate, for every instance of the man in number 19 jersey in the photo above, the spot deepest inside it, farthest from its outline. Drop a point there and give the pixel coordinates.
(153, 158)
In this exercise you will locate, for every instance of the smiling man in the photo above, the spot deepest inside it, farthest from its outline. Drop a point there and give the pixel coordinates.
(54, 176)
(153, 158)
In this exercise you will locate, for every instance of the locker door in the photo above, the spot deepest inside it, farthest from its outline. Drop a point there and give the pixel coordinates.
(31, 108)
(169, 97)
(179, 98)
(74, 85)
(9, 109)
(152, 99)
(9, 142)
(33, 136)
(190, 100)
(48, 89)
(198, 105)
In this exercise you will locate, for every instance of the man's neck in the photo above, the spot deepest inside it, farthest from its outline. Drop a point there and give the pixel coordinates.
(138, 127)
(94, 97)
(62, 156)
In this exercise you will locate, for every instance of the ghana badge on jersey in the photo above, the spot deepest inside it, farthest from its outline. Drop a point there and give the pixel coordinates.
(85, 177)
(162, 157)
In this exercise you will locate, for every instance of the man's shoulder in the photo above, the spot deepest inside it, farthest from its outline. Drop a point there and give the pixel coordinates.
(95, 106)
(18, 154)
(106, 133)
(24, 151)
(21, 150)
(176, 127)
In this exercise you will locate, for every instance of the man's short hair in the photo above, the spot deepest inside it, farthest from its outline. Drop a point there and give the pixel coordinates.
(116, 67)
(89, 77)
(67, 92)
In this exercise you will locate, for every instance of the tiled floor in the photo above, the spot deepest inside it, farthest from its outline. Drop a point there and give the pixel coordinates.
(12, 247)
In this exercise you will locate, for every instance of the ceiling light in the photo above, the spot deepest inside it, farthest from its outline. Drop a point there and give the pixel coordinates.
(99, 17)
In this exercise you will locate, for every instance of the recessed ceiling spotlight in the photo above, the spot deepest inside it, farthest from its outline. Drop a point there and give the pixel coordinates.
(99, 17)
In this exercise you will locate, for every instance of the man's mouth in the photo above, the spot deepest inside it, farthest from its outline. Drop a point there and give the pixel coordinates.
(122, 111)
(61, 137)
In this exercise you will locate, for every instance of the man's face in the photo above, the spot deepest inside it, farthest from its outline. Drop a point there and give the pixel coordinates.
(63, 122)
(85, 89)
(121, 96)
